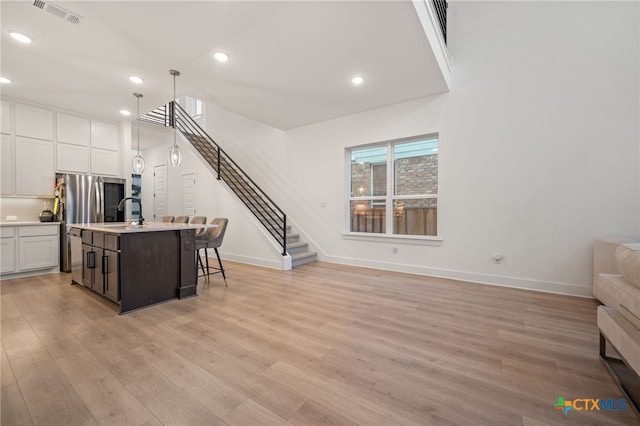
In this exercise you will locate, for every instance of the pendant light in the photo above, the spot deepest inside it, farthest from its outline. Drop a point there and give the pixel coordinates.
(175, 156)
(137, 164)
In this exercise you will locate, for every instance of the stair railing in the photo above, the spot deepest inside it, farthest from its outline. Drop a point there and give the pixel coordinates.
(440, 7)
(254, 198)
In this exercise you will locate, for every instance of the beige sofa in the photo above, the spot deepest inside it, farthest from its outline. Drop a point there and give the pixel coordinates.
(617, 286)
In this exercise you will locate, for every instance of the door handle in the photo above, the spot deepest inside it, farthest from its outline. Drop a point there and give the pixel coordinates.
(105, 265)
(91, 260)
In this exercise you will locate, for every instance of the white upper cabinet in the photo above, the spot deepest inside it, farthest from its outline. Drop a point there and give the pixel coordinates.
(104, 162)
(5, 117)
(34, 167)
(38, 142)
(73, 130)
(7, 165)
(73, 136)
(72, 158)
(33, 122)
(104, 136)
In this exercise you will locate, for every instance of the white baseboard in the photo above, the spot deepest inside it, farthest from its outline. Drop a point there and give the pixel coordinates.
(497, 280)
(268, 263)
(54, 270)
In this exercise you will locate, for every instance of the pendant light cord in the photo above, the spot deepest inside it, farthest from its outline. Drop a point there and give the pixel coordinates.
(138, 162)
(174, 73)
(174, 110)
(138, 95)
(175, 157)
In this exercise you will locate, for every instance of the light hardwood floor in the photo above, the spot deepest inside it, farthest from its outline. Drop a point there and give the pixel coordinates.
(322, 344)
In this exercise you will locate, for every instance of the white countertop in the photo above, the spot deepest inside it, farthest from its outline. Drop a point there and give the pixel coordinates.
(127, 227)
(24, 223)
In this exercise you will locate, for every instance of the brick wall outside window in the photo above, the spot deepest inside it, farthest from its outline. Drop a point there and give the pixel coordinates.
(414, 175)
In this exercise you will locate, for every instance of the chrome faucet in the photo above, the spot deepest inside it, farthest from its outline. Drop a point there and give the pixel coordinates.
(137, 200)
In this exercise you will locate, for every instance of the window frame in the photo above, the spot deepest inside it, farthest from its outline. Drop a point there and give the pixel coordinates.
(194, 107)
(376, 201)
(389, 200)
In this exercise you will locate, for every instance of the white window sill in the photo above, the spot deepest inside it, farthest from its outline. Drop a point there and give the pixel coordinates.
(404, 239)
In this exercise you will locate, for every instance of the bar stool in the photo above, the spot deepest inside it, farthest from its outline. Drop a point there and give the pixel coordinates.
(168, 219)
(212, 238)
(181, 219)
(199, 220)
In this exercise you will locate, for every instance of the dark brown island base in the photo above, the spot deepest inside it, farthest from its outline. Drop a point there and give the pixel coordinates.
(135, 266)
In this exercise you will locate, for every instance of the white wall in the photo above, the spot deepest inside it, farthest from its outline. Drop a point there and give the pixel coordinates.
(244, 240)
(539, 148)
(539, 154)
(254, 146)
(25, 209)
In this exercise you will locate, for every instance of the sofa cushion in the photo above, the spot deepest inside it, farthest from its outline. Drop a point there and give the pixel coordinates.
(622, 335)
(630, 316)
(604, 255)
(628, 258)
(613, 291)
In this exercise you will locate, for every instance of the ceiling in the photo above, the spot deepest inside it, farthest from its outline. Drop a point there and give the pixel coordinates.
(291, 62)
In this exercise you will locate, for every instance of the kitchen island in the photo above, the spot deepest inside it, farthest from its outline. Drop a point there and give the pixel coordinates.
(135, 266)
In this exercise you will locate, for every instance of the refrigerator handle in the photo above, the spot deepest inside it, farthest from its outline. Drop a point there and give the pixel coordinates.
(100, 199)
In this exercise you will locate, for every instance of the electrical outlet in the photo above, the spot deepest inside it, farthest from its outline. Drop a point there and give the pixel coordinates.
(395, 250)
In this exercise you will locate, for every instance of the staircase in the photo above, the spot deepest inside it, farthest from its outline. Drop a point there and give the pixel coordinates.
(299, 250)
(272, 218)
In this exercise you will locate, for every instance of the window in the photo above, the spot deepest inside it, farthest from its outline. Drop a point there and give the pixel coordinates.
(194, 107)
(393, 188)
(136, 191)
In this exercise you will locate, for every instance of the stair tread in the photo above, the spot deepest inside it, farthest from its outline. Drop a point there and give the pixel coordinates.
(303, 255)
(303, 258)
(297, 244)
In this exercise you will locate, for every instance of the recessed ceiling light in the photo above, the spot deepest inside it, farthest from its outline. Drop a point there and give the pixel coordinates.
(221, 57)
(4, 80)
(125, 112)
(358, 79)
(135, 79)
(20, 37)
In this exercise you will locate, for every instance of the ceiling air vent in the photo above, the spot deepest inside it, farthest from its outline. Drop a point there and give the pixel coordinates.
(58, 11)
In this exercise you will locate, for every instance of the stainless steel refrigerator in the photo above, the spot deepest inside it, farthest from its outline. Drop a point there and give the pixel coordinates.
(86, 199)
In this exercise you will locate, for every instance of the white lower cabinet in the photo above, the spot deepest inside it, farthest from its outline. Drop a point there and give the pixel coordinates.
(8, 250)
(30, 248)
(37, 252)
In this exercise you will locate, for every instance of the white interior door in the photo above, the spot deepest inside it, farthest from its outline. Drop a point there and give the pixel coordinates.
(189, 192)
(159, 191)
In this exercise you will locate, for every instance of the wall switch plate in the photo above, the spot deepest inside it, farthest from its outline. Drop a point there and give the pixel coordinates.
(12, 217)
